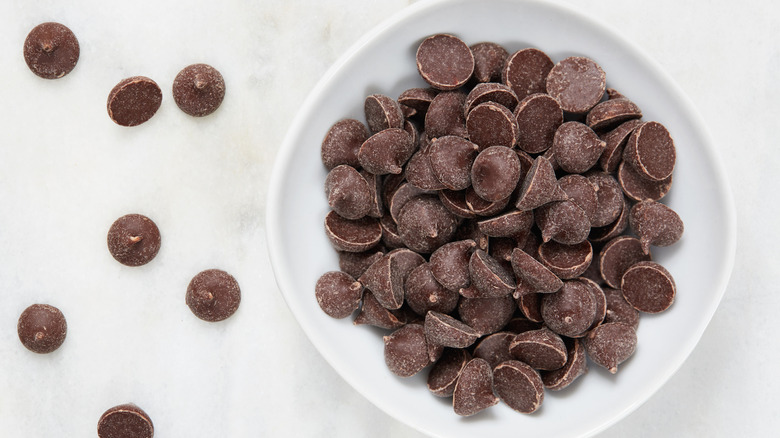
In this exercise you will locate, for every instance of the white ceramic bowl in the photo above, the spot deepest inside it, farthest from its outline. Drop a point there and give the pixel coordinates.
(384, 62)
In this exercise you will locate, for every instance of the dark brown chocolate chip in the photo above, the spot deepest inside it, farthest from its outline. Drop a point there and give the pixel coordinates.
(51, 50)
(495, 173)
(342, 143)
(386, 151)
(541, 349)
(337, 293)
(570, 311)
(390, 237)
(198, 89)
(417, 98)
(655, 224)
(582, 192)
(356, 263)
(530, 305)
(489, 59)
(611, 344)
(468, 229)
(449, 264)
(444, 330)
(480, 206)
(495, 348)
(616, 140)
(419, 173)
(566, 261)
(640, 189)
(423, 293)
(134, 101)
(563, 222)
(610, 231)
(486, 315)
(489, 276)
(372, 313)
(491, 92)
(352, 235)
(614, 94)
(612, 112)
(609, 196)
(576, 147)
(491, 124)
(455, 202)
(133, 240)
(42, 328)
(515, 223)
(519, 386)
(377, 209)
(403, 194)
(444, 61)
(387, 276)
(451, 158)
(617, 256)
(406, 351)
(597, 293)
(125, 421)
(445, 115)
(618, 309)
(526, 71)
(474, 389)
(424, 224)
(540, 186)
(649, 287)
(533, 275)
(577, 83)
(445, 372)
(521, 324)
(576, 365)
(348, 192)
(382, 112)
(213, 295)
(650, 151)
(538, 117)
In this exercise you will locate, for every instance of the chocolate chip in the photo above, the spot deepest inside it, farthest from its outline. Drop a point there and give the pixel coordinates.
(42, 328)
(530, 305)
(611, 344)
(134, 101)
(348, 192)
(616, 140)
(445, 115)
(423, 293)
(491, 92)
(444, 61)
(495, 348)
(526, 71)
(424, 224)
(486, 315)
(352, 235)
(617, 256)
(372, 313)
(491, 124)
(445, 372)
(566, 261)
(125, 421)
(198, 90)
(640, 189)
(356, 263)
(576, 147)
(51, 50)
(541, 349)
(563, 222)
(447, 331)
(655, 224)
(599, 299)
(213, 295)
(489, 59)
(650, 151)
(342, 143)
(540, 186)
(417, 98)
(610, 113)
(532, 275)
(382, 112)
(576, 365)
(406, 351)
(577, 83)
(570, 311)
(538, 117)
(403, 194)
(386, 151)
(582, 192)
(451, 159)
(449, 264)
(133, 240)
(610, 199)
(649, 287)
(616, 228)
(519, 386)
(387, 276)
(618, 309)
(490, 278)
(495, 173)
(515, 223)
(474, 389)
(337, 293)
(455, 202)
(419, 173)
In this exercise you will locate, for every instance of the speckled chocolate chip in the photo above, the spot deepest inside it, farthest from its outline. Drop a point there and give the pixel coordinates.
(649, 287)
(386, 151)
(408, 113)
(474, 389)
(342, 143)
(599, 299)
(417, 98)
(51, 50)
(570, 311)
(640, 189)
(576, 365)
(530, 305)
(444, 61)
(576, 147)
(198, 89)
(419, 173)
(468, 229)
(566, 261)
(541, 349)
(134, 101)
(451, 158)
(526, 71)
(387, 276)
(612, 112)
(563, 222)
(337, 293)
(125, 421)
(356, 263)
(582, 192)
(372, 313)
(614, 94)
(490, 278)
(610, 231)
(616, 140)
(520, 324)
(42, 328)
(445, 372)
(491, 124)
(213, 295)
(390, 237)
(491, 92)
(519, 386)
(655, 224)
(455, 202)
(540, 186)
(609, 196)
(618, 309)
(495, 348)
(423, 293)
(532, 274)
(489, 59)
(611, 344)
(480, 206)
(348, 192)
(617, 256)
(352, 235)
(538, 117)
(650, 151)
(374, 182)
(133, 240)
(577, 83)
(447, 331)
(424, 224)
(449, 264)
(406, 352)
(403, 194)
(445, 115)
(500, 248)
(511, 224)
(495, 173)
(486, 315)
(382, 112)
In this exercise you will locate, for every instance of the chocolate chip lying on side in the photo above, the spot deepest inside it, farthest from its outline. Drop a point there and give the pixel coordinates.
(338, 294)
(450, 264)
(538, 117)
(444, 61)
(578, 83)
(125, 421)
(486, 315)
(617, 256)
(655, 224)
(406, 351)
(649, 287)
(423, 293)
(348, 192)
(134, 101)
(541, 349)
(445, 373)
(489, 59)
(474, 389)
(526, 70)
(133, 240)
(610, 344)
(342, 143)
(447, 331)
(519, 386)
(42, 328)
(576, 365)
(382, 112)
(199, 89)
(51, 50)
(352, 235)
(495, 348)
(213, 295)
(650, 151)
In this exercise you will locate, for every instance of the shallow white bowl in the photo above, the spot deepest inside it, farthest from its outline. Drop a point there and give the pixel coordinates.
(383, 62)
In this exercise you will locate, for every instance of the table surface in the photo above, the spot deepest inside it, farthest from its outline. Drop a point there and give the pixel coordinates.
(66, 172)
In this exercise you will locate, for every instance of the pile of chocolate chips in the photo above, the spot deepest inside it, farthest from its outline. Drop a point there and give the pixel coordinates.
(499, 222)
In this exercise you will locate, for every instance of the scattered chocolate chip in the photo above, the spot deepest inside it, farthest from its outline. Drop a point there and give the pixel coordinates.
(535, 277)
(133, 240)
(540, 186)
(372, 313)
(576, 365)
(641, 189)
(213, 295)
(576, 147)
(577, 83)
(599, 299)
(445, 372)
(649, 287)
(541, 349)
(570, 311)
(342, 143)
(486, 315)
(655, 224)
(51, 50)
(611, 344)
(610, 231)
(538, 117)
(519, 386)
(134, 101)
(356, 263)
(495, 173)
(609, 197)
(617, 256)
(387, 276)
(566, 261)
(337, 293)
(444, 330)
(451, 159)
(650, 151)
(424, 224)
(526, 71)
(514, 223)
(417, 98)
(616, 140)
(530, 305)
(489, 59)
(445, 115)
(423, 293)
(490, 278)
(406, 351)
(382, 113)
(352, 235)
(474, 389)
(125, 421)
(42, 328)
(444, 61)
(386, 151)
(612, 112)
(198, 90)
(491, 124)
(495, 348)
(582, 192)
(348, 192)
(490, 92)
(449, 264)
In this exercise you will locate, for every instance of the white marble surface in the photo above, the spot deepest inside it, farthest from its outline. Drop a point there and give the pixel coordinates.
(66, 172)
